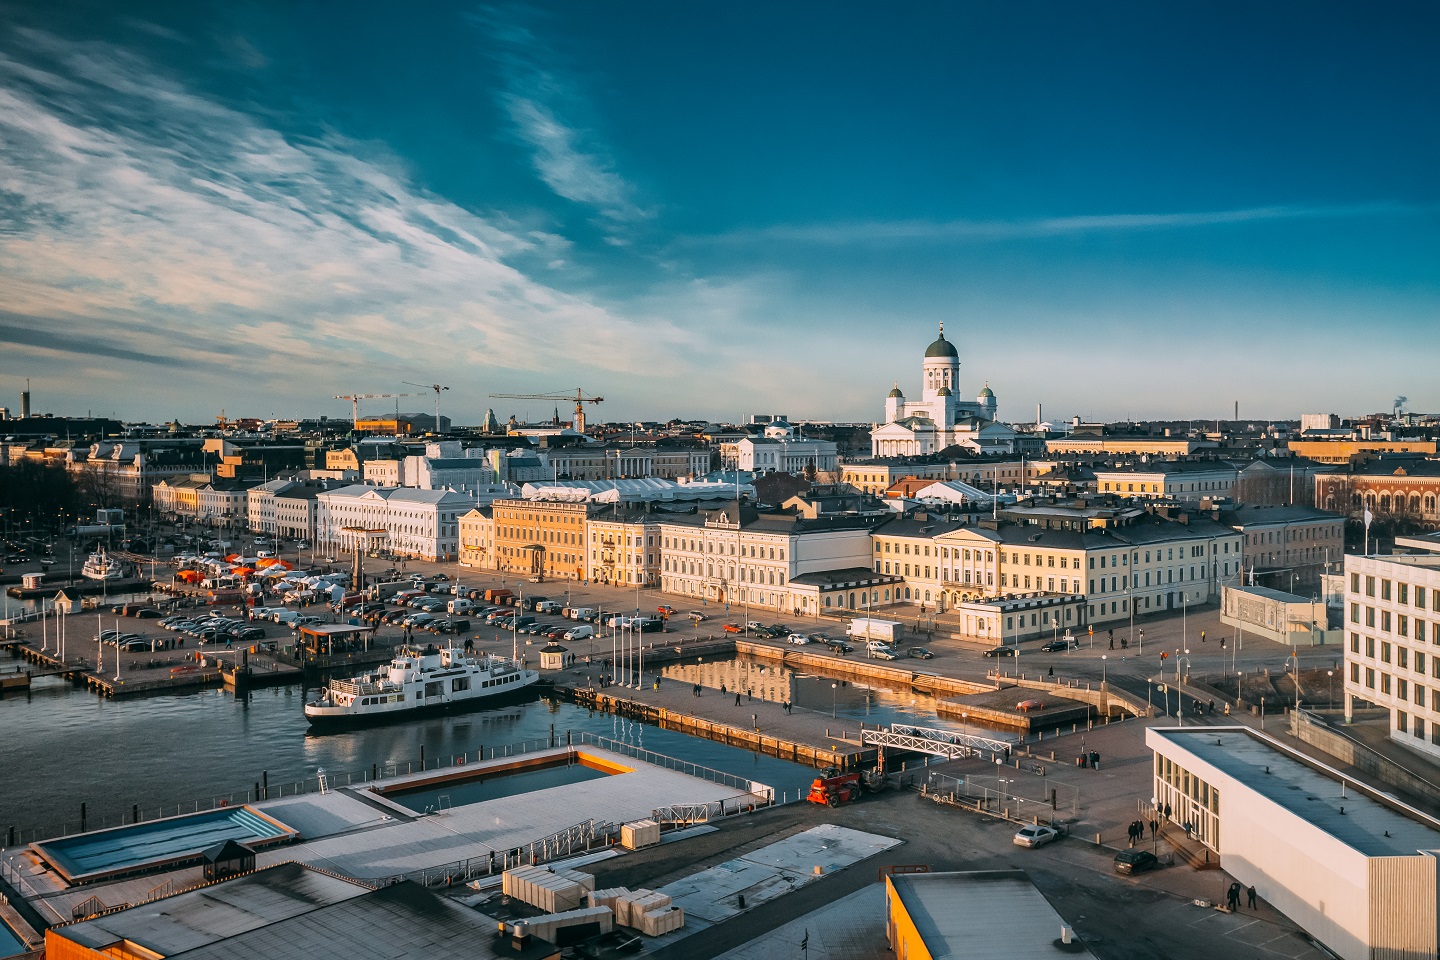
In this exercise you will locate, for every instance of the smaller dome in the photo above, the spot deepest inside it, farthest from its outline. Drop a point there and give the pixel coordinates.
(895, 392)
(943, 392)
(987, 392)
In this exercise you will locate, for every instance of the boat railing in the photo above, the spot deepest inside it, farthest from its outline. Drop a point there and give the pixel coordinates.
(358, 688)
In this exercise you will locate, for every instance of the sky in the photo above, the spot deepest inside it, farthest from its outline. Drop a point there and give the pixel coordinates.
(1122, 210)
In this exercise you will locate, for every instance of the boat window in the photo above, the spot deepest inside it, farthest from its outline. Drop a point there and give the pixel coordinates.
(459, 683)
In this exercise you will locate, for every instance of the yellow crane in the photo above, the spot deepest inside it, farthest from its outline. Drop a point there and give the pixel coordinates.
(355, 399)
(578, 396)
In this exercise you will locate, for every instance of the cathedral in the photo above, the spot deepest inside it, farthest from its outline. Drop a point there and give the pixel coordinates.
(940, 419)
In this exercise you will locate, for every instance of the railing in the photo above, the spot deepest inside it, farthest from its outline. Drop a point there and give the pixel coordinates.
(358, 689)
(681, 766)
(932, 738)
(578, 838)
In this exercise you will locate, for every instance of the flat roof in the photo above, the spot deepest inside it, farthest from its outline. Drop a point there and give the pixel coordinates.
(1269, 594)
(200, 917)
(984, 913)
(1310, 790)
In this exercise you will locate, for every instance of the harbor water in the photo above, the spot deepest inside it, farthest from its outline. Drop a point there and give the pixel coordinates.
(61, 747)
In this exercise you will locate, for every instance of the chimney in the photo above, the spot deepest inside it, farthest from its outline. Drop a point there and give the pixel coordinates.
(519, 935)
(25, 401)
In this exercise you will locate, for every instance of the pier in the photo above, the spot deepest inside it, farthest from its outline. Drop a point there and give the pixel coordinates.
(81, 588)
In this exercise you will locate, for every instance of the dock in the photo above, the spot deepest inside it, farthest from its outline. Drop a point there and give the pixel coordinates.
(81, 588)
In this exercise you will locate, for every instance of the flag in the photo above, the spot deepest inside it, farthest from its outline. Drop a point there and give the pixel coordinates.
(1368, 517)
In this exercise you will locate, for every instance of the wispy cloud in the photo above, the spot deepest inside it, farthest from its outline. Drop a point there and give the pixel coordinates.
(953, 231)
(571, 160)
(185, 228)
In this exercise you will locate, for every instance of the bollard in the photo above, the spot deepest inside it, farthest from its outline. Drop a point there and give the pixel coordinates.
(82, 819)
(422, 756)
(135, 813)
(265, 785)
(374, 771)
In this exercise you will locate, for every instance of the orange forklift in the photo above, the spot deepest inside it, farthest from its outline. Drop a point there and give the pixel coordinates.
(833, 788)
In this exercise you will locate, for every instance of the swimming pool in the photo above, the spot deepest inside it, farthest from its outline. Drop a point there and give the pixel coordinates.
(87, 857)
(504, 779)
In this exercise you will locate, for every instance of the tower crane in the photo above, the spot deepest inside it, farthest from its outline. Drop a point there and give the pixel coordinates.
(578, 396)
(437, 388)
(355, 399)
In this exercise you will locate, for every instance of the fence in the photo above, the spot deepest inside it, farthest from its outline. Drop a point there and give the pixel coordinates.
(1036, 799)
(577, 839)
(681, 766)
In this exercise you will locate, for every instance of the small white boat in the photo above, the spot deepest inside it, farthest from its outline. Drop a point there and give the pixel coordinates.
(101, 566)
(419, 681)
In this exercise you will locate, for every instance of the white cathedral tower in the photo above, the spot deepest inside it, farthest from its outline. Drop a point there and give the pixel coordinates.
(939, 419)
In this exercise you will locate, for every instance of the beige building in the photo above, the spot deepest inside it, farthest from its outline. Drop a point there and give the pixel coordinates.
(908, 547)
(1407, 491)
(1288, 547)
(1344, 451)
(1168, 480)
(622, 547)
(1392, 625)
(1154, 446)
(477, 539)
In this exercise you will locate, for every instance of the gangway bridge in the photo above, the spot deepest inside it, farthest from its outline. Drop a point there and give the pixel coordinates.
(936, 742)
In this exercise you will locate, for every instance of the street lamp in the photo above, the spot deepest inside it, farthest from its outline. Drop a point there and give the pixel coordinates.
(1102, 670)
(833, 696)
(1179, 697)
(1331, 675)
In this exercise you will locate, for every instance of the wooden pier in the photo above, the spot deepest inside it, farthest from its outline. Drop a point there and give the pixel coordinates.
(81, 588)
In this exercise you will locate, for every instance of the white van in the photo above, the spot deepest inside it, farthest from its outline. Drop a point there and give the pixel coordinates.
(547, 606)
(285, 616)
(584, 632)
(459, 606)
(581, 613)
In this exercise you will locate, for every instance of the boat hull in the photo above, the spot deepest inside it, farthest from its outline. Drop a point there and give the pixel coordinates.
(344, 720)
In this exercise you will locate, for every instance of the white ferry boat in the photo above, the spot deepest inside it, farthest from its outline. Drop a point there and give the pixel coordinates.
(419, 681)
(100, 566)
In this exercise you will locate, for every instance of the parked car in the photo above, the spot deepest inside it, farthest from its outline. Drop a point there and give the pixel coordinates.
(1129, 862)
(1035, 836)
(581, 632)
(453, 625)
(920, 653)
(138, 643)
(1057, 646)
(697, 616)
(733, 628)
(880, 650)
(247, 634)
(838, 646)
(1001, 651)
(799, 639)
(754, 625)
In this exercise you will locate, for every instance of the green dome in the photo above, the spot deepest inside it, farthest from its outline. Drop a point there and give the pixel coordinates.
(895, 392)
(987, 392)
(943, 392)
(941, 347)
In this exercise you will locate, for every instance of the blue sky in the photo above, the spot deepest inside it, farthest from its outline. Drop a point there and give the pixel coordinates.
(1123, 210)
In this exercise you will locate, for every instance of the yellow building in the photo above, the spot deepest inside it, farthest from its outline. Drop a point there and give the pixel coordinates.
(477, 538)
(1343, 451)
(540, 538)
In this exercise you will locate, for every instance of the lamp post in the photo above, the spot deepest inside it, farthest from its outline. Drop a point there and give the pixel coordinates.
(833, 696)
(1102, 670)
(1331, 675)
(1142, 639)
(1179, 697)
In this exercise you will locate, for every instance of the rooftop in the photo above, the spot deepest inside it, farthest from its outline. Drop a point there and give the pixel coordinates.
(959, 914)
(1343, 808)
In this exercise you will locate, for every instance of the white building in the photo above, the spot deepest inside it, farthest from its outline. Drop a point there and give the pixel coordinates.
(415, 523)
(738, 556)
(937, 419)
(1354, 867)
(781, 450)
(260, 509)
(1392, 626)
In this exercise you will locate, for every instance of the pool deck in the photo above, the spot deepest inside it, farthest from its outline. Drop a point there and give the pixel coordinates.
(349, 830)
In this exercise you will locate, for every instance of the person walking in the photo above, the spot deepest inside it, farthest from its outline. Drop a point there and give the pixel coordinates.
(737, 699)
(1250, 897)
(1154, 828)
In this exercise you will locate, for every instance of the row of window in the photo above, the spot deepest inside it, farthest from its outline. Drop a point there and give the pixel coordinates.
(1401, 592)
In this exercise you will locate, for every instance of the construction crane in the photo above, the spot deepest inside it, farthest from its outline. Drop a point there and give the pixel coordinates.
(430, 386)
(355, 399)
(578, 396)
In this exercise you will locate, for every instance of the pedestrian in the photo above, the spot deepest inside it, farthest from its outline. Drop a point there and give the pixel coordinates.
(1202, 636)
(1250, 897)
(1051, 672)
(1211, 706)
(737, 699)
(722, 687)
(1154, 828)
(1188, 827)
(1112, 639)
(1167, 811)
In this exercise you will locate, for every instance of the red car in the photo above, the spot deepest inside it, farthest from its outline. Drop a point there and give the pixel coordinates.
(734, 628)
(665, 610)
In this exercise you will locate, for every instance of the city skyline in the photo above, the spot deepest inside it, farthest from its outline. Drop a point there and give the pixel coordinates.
(705, 212)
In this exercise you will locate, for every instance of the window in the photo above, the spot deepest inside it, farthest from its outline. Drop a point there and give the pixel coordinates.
(1369, 586)
(1354, 643)
(1384, 589)
(1384, 683)
(1402, 593)
(1420, 662)
(1370, 677)
(1384, 653)
(1370, 647)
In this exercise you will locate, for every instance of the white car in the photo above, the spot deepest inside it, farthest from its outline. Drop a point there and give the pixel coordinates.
(1036, 836)
(797, 639)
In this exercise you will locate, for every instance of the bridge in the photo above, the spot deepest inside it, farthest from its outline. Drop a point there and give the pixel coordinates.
(935, 742)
